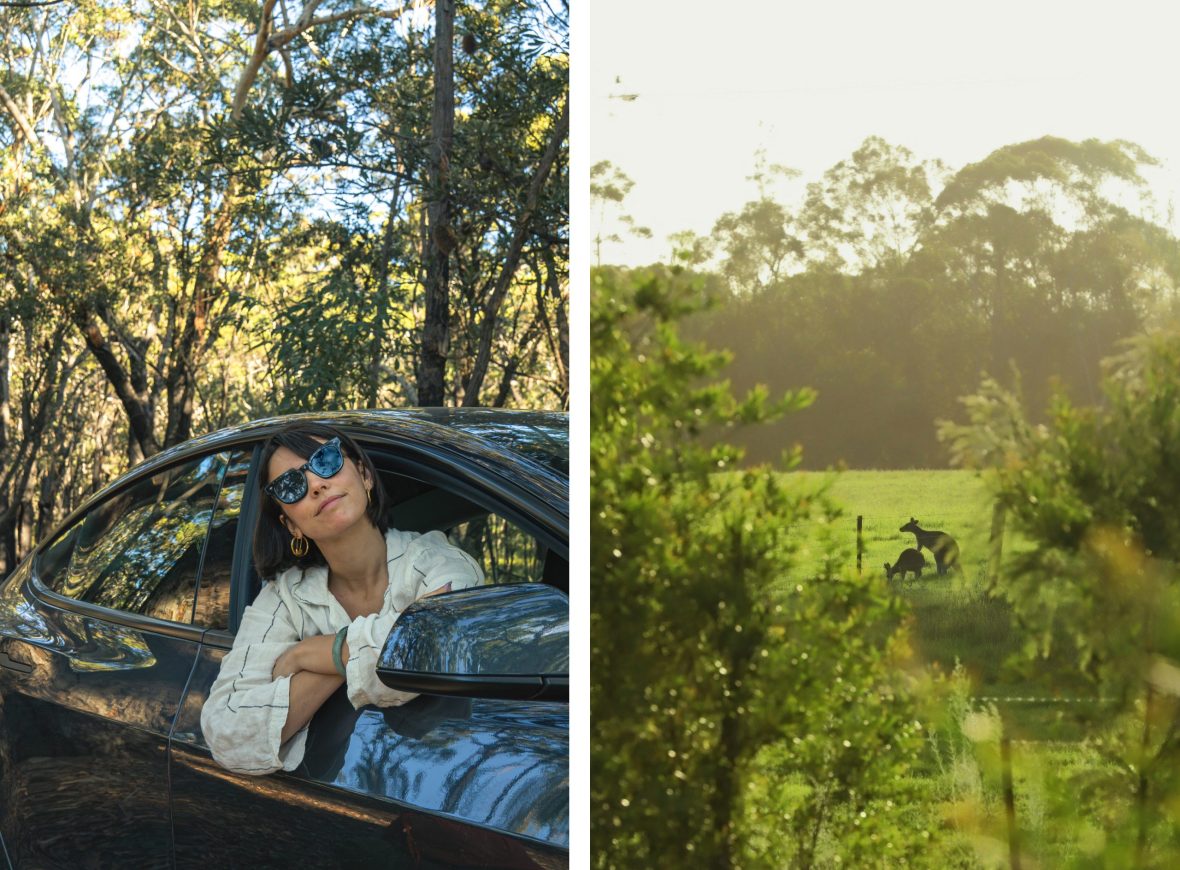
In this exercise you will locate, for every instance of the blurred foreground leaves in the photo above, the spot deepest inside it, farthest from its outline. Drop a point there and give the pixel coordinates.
(1095, 490)
(743, 715)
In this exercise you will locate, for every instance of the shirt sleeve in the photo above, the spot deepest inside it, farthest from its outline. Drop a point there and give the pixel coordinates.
(243, 717)
(436, 562)
(433, 563)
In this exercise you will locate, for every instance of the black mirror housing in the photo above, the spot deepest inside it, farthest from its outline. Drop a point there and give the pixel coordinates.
(509, 642)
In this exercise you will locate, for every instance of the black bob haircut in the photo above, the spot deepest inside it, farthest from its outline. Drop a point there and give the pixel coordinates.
(272, 541)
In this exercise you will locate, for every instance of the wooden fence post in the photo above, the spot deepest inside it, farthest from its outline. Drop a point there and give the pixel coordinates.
(860, 546)
(997, 543)
(1009, 798)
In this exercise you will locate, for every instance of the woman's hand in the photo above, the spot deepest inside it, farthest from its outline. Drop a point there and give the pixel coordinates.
(289, 663)
(310, 654)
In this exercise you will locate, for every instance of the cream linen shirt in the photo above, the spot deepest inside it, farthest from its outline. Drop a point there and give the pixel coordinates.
(243, 717)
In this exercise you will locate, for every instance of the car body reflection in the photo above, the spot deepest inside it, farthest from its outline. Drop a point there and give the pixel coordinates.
(113, 630)
(483, 631)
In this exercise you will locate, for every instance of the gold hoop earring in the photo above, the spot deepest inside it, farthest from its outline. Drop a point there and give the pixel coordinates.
(369, 494)
(299, 547)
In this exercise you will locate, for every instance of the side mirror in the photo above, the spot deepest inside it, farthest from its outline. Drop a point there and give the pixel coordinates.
(507, 641)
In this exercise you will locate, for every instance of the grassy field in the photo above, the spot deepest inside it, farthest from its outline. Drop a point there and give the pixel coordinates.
(956, 620)
(953, 501)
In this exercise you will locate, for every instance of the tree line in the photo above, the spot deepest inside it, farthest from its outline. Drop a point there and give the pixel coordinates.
(217, 211)
(896, 283)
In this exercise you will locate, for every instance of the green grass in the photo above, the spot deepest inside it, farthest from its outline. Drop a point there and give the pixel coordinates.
(955, 619)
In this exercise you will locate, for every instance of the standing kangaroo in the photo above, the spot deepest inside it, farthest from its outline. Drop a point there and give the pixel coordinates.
(941, 545)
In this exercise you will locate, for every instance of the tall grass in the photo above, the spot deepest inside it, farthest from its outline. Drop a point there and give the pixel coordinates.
(956, 620)
(960, 628)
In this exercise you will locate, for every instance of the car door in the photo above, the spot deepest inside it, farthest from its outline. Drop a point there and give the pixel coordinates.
(436, 783)
(97, 641)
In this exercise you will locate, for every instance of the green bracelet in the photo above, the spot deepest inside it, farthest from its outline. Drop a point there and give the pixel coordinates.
(337, 646)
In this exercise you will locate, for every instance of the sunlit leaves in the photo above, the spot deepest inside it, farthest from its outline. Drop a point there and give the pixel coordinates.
(744, 715)
(1094, 492)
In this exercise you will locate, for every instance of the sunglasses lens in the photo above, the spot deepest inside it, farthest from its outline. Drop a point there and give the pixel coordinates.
(289, 487)
(328, 460)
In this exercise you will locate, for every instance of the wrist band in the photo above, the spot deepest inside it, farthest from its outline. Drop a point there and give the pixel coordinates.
(337, 647)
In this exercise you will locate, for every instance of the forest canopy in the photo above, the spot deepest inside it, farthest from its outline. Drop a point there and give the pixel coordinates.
(218, 211)
(896, 283)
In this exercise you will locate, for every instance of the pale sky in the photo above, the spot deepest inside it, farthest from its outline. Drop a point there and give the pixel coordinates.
(808, 82)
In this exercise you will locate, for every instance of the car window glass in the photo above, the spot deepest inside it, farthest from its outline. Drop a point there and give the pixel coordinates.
(506, 553)
(140, 549)
(212, 609)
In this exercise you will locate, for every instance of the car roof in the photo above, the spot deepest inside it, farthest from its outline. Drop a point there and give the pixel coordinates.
(531, 448)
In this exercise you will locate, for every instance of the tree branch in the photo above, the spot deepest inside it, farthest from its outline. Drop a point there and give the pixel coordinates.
(137, 415)
(261, 50)
(18, 117)
(266, 42)
(284, 36)
(512, 260)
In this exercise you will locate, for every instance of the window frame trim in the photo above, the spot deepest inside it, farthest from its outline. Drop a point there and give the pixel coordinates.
(242, 566)
(119, 617)
(139, 621)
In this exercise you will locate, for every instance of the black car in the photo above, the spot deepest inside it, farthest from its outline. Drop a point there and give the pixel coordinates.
(112, 631)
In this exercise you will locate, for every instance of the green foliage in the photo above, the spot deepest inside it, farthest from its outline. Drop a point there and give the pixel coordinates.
(744, 714)
(345, 340)
(1094, 490)
(609, 186)
(1078, 168)
(169, 266)
(871, 209)
(759, 244)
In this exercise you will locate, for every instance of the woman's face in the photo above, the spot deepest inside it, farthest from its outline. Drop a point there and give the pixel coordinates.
(332, 504)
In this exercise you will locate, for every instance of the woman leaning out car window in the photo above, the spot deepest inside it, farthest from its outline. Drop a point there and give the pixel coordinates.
(341, 578)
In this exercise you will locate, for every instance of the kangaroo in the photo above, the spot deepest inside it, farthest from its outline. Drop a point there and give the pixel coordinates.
(941, 545)
(909, 561)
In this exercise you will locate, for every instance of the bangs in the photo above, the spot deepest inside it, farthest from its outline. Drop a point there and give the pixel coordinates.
(299, 443)
(302, 441)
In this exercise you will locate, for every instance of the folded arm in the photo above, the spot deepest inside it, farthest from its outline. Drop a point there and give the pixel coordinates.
(314, 654)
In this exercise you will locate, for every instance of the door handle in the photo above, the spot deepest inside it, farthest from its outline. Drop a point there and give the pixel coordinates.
(13, 665)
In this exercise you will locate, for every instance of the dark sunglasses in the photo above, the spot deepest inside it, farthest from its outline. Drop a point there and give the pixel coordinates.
(291, 485)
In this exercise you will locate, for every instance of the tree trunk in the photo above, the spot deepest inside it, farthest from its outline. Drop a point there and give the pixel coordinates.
(381, 295)
(563, 340)
(140, 423)
(432, 365)
(7, 537)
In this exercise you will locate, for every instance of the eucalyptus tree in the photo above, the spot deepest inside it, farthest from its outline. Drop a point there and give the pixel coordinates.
(872, 209)
(502, 235)
(761, 243)
(609, 186)
(1004, 222)
(116, 107)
